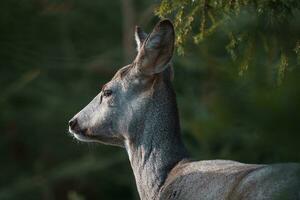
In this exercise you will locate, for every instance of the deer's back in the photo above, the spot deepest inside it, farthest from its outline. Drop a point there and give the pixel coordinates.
(221, 179)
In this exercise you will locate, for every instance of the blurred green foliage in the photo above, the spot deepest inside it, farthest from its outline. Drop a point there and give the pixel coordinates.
(250, 25)
(238, 88)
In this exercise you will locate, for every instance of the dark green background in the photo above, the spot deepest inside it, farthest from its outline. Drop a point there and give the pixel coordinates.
(54, 57)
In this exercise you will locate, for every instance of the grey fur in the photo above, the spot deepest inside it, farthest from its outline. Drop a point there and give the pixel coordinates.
(141, 115)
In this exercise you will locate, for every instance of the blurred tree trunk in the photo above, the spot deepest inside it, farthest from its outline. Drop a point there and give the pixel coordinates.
(128, 29)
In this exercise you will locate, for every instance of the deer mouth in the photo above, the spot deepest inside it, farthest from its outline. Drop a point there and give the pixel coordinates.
(85, 136)
(82, 135)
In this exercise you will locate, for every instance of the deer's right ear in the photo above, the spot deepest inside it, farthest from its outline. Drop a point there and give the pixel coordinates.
(157, 49)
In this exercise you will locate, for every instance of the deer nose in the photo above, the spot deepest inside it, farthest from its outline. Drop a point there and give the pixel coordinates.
(73, 123)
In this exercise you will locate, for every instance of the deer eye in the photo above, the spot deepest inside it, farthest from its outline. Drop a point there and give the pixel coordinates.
(107, 93)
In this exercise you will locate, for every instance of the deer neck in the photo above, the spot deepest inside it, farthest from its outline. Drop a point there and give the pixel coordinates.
(157, 146)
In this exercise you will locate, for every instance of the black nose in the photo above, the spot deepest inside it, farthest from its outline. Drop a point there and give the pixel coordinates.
(73, 123)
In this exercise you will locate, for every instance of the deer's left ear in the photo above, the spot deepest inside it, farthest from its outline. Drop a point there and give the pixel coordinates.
(156, 51)
(140, 37)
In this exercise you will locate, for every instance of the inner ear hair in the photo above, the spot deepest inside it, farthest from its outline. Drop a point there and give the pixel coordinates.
(157, 50)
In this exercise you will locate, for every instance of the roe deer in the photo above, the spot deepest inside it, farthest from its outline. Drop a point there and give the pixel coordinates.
(137, 110)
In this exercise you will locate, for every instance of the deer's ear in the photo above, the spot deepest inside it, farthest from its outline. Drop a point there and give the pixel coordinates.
(140, 37)
(157, 49)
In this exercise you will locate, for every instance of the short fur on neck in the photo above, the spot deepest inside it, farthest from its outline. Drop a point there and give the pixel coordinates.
(157, 147)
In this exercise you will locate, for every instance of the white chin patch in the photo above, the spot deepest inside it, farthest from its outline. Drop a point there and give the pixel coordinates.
(80, 137)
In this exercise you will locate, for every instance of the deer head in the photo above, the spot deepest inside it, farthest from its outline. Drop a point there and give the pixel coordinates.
(120, 108)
